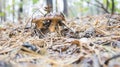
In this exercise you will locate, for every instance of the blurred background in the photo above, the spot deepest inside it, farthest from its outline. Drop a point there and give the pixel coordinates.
(20, 10)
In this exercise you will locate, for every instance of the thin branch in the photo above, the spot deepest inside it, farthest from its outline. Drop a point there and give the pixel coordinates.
(100, 6)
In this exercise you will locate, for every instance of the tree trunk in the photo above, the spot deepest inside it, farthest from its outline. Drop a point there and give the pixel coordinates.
(113, 7)
(50, 3)
(0, 10)
(13, 7)
(107, 4)
(4, 18)
(65, 11)
(56, 6)
(20, 11)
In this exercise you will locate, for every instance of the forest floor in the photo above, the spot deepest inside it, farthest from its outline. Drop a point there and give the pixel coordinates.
(94, 42)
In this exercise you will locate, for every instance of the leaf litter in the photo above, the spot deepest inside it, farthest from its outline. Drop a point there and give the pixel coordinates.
(52, 41)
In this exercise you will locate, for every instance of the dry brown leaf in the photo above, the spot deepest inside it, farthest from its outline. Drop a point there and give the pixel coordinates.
(53, 25)
(76, 42)
(39, 24)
